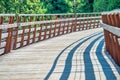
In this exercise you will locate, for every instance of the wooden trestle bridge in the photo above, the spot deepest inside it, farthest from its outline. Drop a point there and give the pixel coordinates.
(81, 46)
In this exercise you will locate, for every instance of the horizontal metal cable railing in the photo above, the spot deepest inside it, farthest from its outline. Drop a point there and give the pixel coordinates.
(111, 25)
(20, 30)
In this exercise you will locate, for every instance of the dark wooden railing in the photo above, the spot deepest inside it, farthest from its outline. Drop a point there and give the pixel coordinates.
(111, 25)
(24, 29)
(6, 32)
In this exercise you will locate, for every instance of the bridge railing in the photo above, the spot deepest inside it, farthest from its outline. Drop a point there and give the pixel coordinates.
(6, 33)
(25, 29)
(111, 25)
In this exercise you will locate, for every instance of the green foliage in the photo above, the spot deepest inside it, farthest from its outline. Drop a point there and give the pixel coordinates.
(32, 6)
(56, 6)
(106, 5)
(82, 6)
(22, 6)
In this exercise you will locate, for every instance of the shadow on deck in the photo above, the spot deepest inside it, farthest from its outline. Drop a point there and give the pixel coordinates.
(76, 56)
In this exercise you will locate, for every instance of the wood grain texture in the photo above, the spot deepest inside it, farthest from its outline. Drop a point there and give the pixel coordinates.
(33, 62)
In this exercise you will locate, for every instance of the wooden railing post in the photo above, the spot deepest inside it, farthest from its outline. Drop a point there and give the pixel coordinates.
(40, 31)
(1, 21)
(34, 32)
(87, 21)
(23, 33)
(55, 28)
(64, 25)
(59, 26)
(29, 31)
(68, 25)
(15, 34)
(9, 38)
(45, 29)
(90, 22)
(50, 31)
(75, 22)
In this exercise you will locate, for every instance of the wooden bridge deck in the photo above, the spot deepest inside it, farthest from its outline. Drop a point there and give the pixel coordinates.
(75, 56)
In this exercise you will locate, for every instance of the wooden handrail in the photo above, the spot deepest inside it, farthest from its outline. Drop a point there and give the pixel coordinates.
(3, 26)
(30, 28)
(112, 29)
(6, 34)
(56, 14)
(7, 15)
(111, 25)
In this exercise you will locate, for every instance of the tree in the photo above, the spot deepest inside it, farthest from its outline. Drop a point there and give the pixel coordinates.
(2, 8)
(32, 7)
(57, 6)
(113, 4)
(83, 6)
(105, 5)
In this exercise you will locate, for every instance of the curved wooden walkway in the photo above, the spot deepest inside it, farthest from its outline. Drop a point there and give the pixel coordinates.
(75, 56)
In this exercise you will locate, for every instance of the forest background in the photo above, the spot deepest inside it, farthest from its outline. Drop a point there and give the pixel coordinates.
(57, 6)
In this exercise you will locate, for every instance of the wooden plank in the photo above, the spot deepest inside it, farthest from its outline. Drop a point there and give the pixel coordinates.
(35, 61)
